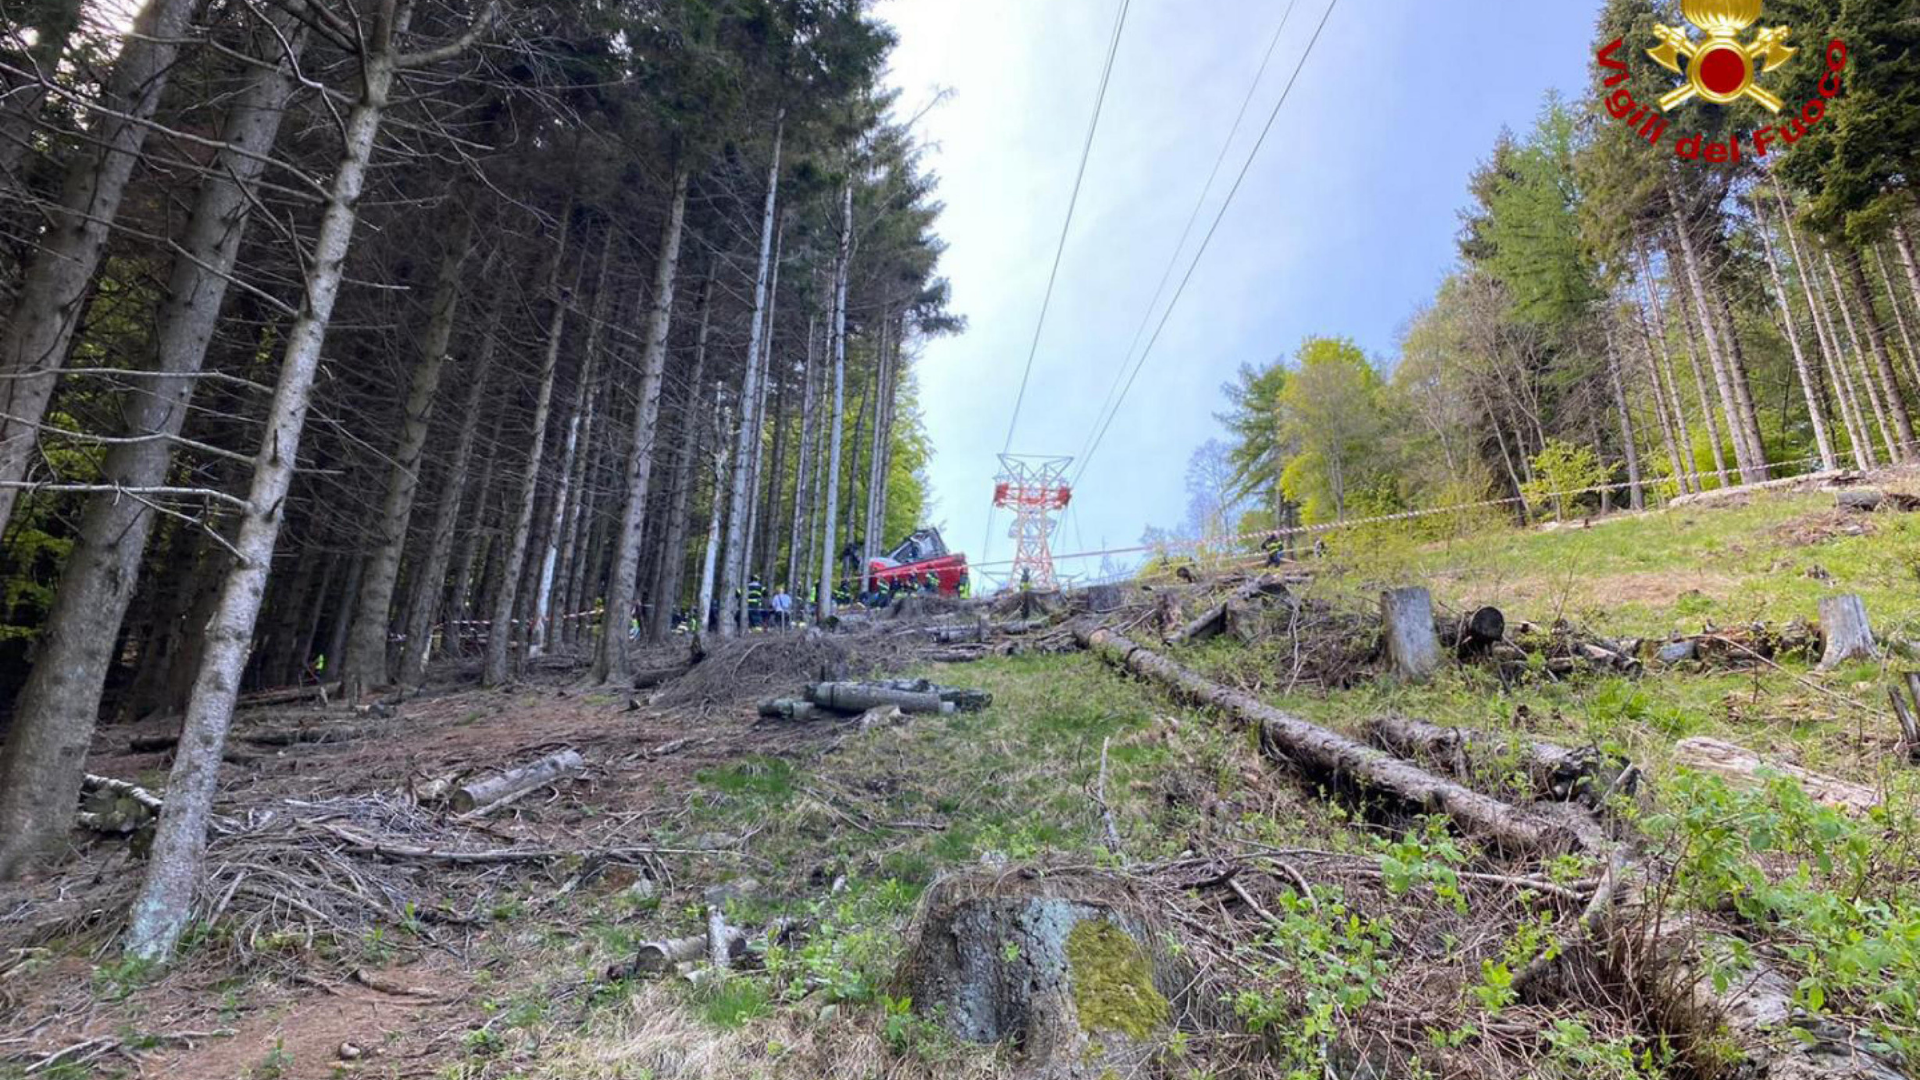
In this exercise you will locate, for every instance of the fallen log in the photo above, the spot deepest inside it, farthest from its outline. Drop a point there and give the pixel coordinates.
(853, 697)
(1602, 656)
(116, 806)
(144, 798)
(965, 699)
(1868, 500)
(663, 955)
(485, 793)
(1220, 617)
(304, 734)
(1742, 767)
(1330, 754)
(789, 709)
(1413, 649)
(1738, 1029)
(1555, 772)
(287, 696)
(648, 680)
(1843, 622)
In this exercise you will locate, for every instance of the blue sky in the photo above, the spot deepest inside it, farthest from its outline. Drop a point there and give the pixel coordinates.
(1344, 226)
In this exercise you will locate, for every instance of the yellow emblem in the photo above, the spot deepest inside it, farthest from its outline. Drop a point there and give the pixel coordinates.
(1720, 68)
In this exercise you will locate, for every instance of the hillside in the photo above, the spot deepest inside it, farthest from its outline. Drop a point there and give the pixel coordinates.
(1321, 928)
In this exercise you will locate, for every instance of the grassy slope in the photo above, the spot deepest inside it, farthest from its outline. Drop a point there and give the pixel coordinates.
(1014, 783)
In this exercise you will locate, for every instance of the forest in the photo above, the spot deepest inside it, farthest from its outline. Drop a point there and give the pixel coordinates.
(408, 407)
(336, 337)
(1623, 323)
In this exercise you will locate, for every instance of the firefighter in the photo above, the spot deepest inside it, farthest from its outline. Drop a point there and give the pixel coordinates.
(965, 590)
(1275, 549)
(756, 601)
(930, 583)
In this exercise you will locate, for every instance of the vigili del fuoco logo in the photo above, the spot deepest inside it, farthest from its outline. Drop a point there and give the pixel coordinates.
(1721, 67)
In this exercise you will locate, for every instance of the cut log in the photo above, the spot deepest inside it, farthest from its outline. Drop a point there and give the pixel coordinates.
(1331, 755)
(1604, 657)
(1554, 772)
(1743, 767)
(657, 957)
(789, 709)
(964, 699)
(854, 698)
(116, 806)
(1868, 500)
(1412, 647)
(948, 635)
(648, 680)
(1843, 622)
(1480, 631)
(122, 789)
(482, 793)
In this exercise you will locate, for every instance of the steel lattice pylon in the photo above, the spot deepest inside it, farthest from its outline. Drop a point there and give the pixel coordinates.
(1034, 488)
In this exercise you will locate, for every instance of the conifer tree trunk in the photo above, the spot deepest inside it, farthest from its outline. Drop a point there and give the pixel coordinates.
(1882, 357)
(716, 504)
(1636, 495)
(1742, 384)
(693, 416)
(541, 630)
(430, 585)
(1662, 409)
(575, 531)
(1860, 359)
(876, 459)
(831, 507)
(1859, 440)
(610, 659)
(364, 666)
(802, 478)
(1740, 426)
(173, 870)
(1903, 244)
(1691, 345)
(519, 536)
(733, 557)
(1663, 376)
(45, 754)
(53, 22)
(1823, 441)
(39, 329)
(1899, 318)
(470, 550)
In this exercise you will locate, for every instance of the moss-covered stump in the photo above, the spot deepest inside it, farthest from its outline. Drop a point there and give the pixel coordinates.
(1066, 976)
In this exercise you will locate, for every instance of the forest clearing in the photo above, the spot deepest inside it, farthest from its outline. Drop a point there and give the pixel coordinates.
(345, 947)
(488, 492)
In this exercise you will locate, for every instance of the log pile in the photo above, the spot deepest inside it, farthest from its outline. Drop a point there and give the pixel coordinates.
(839, 699)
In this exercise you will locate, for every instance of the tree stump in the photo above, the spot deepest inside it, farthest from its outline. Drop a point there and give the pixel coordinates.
(1843, 622)
(1412, 647)
(1061, 973)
